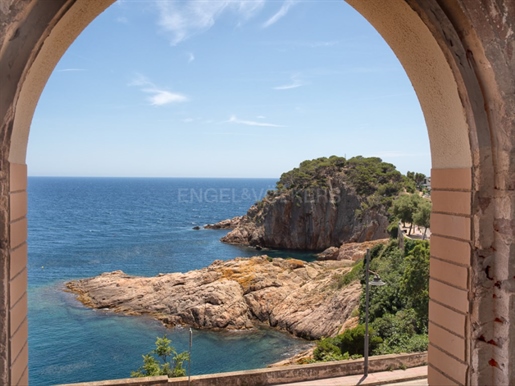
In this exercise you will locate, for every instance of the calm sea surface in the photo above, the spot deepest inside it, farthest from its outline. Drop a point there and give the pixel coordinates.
(81, 227)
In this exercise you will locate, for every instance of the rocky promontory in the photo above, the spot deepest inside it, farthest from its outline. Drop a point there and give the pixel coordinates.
(301, 298)
(323, 203)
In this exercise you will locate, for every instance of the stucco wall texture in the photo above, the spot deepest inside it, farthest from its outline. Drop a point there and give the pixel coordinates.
(460, 58)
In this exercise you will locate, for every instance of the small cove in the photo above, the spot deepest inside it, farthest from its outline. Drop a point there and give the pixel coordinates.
(81, 227)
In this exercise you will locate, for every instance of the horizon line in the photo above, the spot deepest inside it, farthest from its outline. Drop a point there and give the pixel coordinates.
(162, 177)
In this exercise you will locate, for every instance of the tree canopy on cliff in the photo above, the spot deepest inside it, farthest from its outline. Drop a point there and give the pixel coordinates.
(367, 175)
(375, 181)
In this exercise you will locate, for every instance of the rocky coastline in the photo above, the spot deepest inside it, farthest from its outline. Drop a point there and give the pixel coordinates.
(301, 298)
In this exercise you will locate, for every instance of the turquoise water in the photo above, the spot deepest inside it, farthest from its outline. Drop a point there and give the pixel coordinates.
(81, 227)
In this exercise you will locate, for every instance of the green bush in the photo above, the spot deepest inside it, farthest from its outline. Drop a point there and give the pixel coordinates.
(403, 344)
(352, 341)
(326, 350)
(354, 274)
(169, 363)
(349, 345)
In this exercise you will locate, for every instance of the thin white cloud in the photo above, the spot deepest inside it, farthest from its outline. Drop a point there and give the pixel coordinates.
(280, 14)
(234, 119)
(71, 70)
(159, 96)
(295, 83)
(185, 19)
(122, 19)
(191, 57)
(163, 97)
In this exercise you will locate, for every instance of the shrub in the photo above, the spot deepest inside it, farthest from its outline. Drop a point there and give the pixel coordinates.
(326, 350)
(352, 275)
(352, 341)
(172, 362)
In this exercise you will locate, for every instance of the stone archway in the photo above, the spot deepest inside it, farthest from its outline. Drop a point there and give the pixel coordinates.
(460, 58)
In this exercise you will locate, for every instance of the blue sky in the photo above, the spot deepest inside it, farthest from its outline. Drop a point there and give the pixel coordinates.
(224, 89)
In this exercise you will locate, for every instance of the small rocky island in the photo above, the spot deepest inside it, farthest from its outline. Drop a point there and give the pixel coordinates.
(323, 203)
(301, 298)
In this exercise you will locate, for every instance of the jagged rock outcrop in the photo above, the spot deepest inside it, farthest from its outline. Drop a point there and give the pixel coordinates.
(225, 224)
(302, 298)
(325, 202)
(349, 251)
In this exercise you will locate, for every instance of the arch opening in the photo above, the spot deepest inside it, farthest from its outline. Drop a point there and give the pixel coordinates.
(451, 118)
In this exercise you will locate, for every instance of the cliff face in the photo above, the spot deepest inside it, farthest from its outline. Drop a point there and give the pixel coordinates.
(324, 202)
(302, 298)
(309, 220)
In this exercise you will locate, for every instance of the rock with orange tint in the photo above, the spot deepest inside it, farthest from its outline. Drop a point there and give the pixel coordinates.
(350, 251)
(288, 294)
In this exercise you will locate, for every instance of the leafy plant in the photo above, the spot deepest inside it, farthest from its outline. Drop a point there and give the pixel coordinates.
(169, 363)
(350, 344)
(352, 341)
(352, 275)
(405, 206)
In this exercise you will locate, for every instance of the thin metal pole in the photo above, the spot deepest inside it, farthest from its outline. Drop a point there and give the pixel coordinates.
(189, 357)
(365, 361)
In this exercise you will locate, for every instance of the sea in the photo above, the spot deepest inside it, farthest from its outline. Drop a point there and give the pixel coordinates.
(82, 227)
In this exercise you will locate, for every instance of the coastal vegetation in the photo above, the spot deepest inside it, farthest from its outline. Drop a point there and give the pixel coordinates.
(163, 360)
(398, 311)
(373, 179)
(412, 209)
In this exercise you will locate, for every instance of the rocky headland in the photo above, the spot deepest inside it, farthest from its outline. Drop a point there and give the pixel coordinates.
(301, 298)
(323, 203)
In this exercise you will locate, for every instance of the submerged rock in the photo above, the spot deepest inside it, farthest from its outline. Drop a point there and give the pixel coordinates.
(292, 295)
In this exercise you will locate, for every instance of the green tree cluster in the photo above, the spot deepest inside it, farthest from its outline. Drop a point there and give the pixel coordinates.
(311, 173)
(398, 312)
(376, 182)
(412, 209)
(417, 178)
(169, 363)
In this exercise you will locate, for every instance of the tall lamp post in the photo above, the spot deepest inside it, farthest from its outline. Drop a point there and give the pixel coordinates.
(375, 282)
(189, 358)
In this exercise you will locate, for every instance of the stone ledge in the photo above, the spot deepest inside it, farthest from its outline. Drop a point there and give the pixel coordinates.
(274, 376)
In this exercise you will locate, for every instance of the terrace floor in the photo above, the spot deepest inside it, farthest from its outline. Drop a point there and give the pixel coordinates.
(414, 376)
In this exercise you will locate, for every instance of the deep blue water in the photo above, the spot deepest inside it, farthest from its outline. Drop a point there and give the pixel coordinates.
(81, 227)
